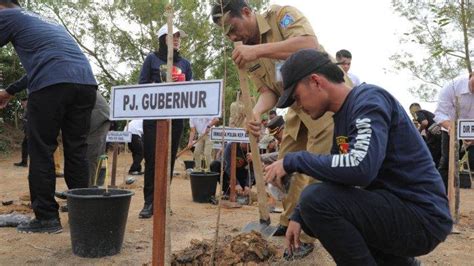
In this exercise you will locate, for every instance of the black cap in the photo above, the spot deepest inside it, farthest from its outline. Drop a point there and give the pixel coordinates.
(296, 67)
(16, 2)
(274, 124)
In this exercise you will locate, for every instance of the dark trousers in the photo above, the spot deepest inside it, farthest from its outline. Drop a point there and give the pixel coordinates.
(136, 147)
(149, 142)
(242, 177)
(24, 149)
(434, 145)
(444, 161)
(65, 107)
(360, 227)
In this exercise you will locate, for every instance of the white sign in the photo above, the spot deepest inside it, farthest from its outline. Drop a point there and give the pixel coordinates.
(465, 129)
(231, 134)
(119, 136)
(167, 100)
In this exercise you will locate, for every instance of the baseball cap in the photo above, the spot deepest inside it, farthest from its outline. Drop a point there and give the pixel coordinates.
(164, 30)
(297, 66)
(274, 124)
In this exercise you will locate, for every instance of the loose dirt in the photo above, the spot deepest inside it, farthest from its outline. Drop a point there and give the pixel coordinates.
(191, 225)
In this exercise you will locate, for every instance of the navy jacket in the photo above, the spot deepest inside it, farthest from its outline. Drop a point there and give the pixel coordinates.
(376, 146)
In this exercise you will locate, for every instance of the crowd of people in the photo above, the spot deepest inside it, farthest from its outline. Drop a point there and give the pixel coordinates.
(355, 171)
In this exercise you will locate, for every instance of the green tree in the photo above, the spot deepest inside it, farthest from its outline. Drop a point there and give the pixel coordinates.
(441, 33)
(10, 71)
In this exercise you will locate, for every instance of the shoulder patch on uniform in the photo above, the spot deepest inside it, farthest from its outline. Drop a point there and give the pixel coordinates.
(254, 67)
(287, 20)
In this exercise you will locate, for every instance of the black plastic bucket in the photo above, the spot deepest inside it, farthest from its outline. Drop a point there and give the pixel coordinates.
(189, 164)
(203, 186)
(97, 222)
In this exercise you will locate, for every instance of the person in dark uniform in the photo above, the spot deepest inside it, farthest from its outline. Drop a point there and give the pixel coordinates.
(382, 201)
(61, 95)
(154, 71)
(432, 130)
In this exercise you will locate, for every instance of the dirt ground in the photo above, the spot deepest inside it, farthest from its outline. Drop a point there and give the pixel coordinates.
(189, 221)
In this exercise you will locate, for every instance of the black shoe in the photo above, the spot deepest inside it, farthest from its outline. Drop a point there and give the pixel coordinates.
(281, 230)
(146, 212)
(52, 226)
(302, 251)
(21, 164)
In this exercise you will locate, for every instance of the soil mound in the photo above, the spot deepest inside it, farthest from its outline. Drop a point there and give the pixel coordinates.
(246, 248)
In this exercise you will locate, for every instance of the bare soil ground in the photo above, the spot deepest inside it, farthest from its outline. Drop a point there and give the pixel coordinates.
(189, 221)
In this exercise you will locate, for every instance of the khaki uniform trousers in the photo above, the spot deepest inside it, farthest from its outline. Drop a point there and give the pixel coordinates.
(312, 135)
(203, 150)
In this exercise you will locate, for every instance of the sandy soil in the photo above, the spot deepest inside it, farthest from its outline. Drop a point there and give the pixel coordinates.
(189, 221)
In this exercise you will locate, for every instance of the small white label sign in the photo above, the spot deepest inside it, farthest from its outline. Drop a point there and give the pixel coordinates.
(465, 129)
(119, 136)
(167, 100)
(231, 134)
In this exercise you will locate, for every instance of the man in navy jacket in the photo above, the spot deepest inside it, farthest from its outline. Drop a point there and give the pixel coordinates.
(61, 95)
(382, 200)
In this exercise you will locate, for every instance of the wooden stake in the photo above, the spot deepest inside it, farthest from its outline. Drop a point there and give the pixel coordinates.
(114, 166)
(452, 168)
(257, 164)
(233, 181)
(161, 197)
(160, 194)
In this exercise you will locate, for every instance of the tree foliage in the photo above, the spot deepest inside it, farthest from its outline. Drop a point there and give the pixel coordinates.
(441, 33)
(116, 36)
(10, 71)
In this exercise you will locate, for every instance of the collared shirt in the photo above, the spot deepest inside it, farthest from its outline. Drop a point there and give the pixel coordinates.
(277, 24)
(446, 108)
(200, 124)
(355, 79)
(135, 127)
(237, 114)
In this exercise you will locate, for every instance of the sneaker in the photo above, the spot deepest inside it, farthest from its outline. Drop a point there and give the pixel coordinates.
(51, 226)
(281, 230)
(146, 212)
(302, 251)
(135, 173)
(21, 164)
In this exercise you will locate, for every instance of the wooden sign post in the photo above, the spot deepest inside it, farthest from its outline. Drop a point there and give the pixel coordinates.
(162, 102)
(117, 137)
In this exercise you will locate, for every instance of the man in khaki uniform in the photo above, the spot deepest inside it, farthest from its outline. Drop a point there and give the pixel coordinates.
(237, 114)
(268, 39)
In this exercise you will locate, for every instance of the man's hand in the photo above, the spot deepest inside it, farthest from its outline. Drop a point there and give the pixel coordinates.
(238, 189)
(248, 157)
(292, 237)
(254, 127)
(244, 54)
(468, 142)
(274, 172)
(4, 98)
(190, 144)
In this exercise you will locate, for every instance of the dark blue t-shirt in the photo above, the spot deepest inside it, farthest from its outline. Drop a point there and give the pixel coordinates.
(46, 50)
(376, 146)
(154, 69)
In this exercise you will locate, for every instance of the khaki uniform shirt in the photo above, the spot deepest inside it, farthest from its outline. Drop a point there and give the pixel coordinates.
(278, 24)
(237, 114)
